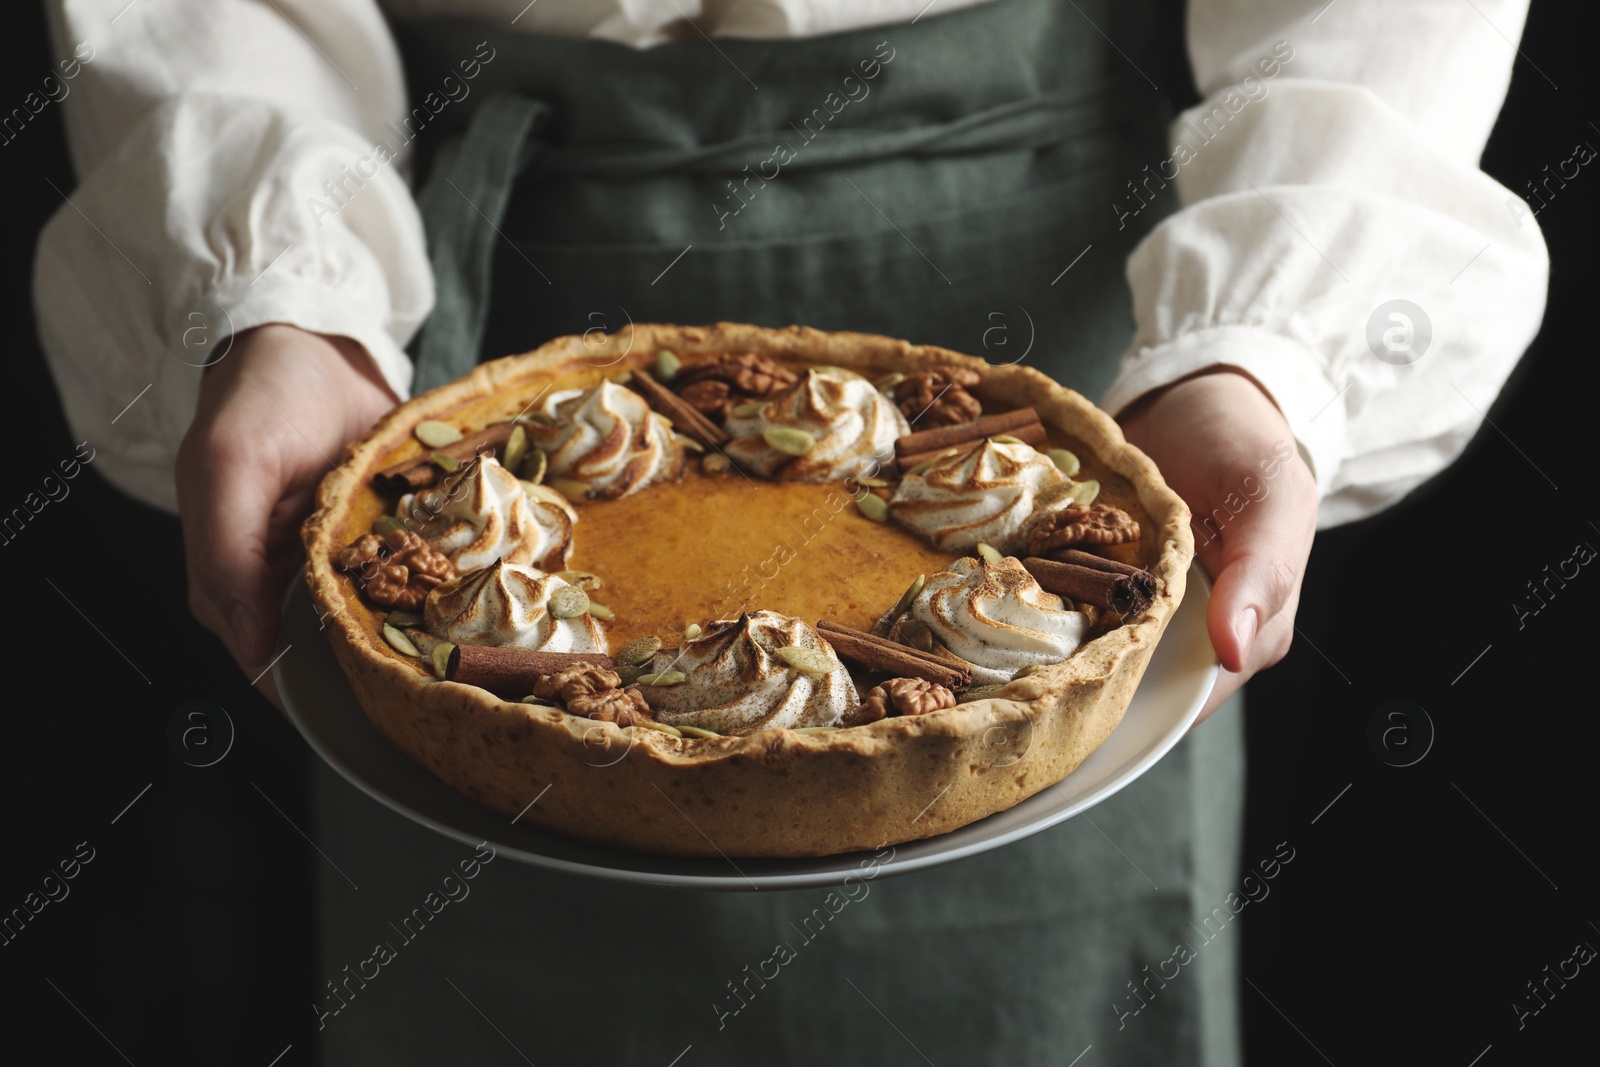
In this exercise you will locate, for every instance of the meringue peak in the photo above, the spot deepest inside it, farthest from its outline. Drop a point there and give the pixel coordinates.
(990, 493)
(508, 604)
(607, 436)
(997, 617)
(486, 516)
(852, 422)
(736, 683)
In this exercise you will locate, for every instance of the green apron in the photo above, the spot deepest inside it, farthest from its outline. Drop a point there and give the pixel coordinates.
(949, 181)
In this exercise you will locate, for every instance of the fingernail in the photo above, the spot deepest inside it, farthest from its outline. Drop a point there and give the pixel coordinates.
(1245, 630)
(245, 631)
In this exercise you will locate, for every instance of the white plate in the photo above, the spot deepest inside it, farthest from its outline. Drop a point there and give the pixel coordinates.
(321, 704)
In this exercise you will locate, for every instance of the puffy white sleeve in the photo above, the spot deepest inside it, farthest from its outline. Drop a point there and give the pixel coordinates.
(230, 174)
(1336, 238)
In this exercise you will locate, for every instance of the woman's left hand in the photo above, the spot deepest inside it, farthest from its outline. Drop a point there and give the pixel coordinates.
(1225, 448)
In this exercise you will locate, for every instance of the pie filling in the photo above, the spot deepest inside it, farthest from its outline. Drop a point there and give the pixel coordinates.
(733, 544)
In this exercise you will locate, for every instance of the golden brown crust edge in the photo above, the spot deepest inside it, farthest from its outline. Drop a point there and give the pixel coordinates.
(774, 793)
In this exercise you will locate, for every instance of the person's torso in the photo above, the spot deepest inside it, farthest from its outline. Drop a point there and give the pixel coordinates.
(950, 180)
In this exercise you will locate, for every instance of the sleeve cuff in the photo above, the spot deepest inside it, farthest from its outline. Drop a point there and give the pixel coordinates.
(1295, 380)
(315, 307)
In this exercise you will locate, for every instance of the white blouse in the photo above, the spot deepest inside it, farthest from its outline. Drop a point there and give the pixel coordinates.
(1337, 240)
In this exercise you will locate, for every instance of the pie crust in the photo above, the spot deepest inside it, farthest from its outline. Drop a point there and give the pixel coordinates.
(775, 792)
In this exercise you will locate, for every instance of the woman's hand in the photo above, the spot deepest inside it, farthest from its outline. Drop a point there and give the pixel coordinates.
(1226, 449)
(274, 415)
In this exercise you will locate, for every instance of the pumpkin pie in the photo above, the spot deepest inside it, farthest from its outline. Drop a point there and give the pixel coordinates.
(749, 592)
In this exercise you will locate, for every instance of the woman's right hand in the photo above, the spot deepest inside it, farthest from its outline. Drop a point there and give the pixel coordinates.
(273, 417)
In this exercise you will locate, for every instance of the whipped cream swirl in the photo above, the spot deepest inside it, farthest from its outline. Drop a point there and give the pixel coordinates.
(851, 421)
(508, 604)
(488, 515)
(607, 436)
(992, 493)
(735, 683)
(995, 616)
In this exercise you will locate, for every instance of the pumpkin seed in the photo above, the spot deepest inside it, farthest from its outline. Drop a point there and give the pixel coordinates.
(1085, 492)
(448, 464)
(568, 602)
(873, 483)
(516, 449)
(789, 440)
(660, 678)
(600, 611)
(436, 434)
(624, 378)
(667, 365)
(1066, 462)
(715, 463)
(816, 729)
(923, 467)
(1007, 439)
(990, 553)
(690, 443)
(399, 641)
(441, 658)
(659, 727)
(889, 381)
(915, 632)
(571, 488)
(695, 731)
(981, 692)
(534, 465)
(540, 701)
(404, 620)
(637, 653)
(665, 422)
(582, 579)
(691, 631)
(874, 507)
(811, 662)
(909, 597)
(745, 410)
(387, 524)
(627, 675)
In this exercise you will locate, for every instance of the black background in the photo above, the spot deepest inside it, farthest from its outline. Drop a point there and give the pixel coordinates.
(1418, 906)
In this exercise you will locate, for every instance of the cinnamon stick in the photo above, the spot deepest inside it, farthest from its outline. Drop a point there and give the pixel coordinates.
(1109, 587)
(1100, 563)
(884, 655)
(419, 472)
(512, 672)
(1030, 434)
(946, 658)
(946, 436)
(684, 415)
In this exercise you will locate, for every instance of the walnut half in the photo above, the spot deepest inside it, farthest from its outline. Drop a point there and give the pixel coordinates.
(396, 570)
(594, 693)
(938, 397)
(904, 696)
(1081, 524)
(719, 385)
